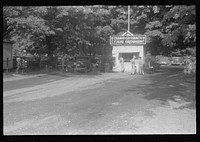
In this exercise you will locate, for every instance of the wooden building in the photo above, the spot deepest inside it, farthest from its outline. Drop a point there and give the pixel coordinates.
(7, 55)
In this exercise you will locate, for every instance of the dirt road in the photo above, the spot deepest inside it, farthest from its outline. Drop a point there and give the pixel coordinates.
(111, 103)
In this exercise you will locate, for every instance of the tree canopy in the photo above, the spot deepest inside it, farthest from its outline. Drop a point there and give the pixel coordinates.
(81, 30)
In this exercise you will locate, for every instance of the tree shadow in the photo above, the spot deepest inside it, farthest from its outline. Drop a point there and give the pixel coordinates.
(169, 85)
(67, 74)
(70, 74)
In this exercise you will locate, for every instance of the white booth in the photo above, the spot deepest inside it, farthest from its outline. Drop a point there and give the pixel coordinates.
(127, 45)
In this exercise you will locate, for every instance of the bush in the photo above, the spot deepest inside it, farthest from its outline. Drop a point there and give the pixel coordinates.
(190, 66)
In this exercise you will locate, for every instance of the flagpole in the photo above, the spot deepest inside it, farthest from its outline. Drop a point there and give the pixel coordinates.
(129, 18)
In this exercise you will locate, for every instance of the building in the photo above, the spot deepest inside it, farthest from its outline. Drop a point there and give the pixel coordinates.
(7, 55)
(127, 45)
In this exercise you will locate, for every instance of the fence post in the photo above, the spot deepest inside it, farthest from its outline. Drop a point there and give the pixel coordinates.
(7, 65)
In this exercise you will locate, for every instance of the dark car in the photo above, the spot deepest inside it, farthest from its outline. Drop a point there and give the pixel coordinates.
(82, 64)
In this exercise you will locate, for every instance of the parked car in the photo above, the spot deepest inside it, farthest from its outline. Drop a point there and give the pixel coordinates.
(176, 61)
(83, 64)
(163, 63)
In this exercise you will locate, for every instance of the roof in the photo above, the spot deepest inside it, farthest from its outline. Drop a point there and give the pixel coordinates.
(8, 41)
(127, 33)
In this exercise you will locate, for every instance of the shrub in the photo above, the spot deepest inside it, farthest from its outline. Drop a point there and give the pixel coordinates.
(190, 66)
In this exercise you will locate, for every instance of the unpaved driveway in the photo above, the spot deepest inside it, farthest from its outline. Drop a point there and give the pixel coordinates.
(112, 103)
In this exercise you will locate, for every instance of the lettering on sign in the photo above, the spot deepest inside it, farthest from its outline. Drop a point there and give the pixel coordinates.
(118, 41)
(128, 40)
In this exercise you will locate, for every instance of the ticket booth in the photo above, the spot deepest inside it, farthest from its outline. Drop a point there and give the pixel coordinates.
(127, 45)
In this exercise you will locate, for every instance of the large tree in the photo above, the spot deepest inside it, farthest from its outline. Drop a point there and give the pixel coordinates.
(173, 27)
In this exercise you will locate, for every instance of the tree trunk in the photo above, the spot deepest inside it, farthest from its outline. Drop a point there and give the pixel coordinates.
(49, 46)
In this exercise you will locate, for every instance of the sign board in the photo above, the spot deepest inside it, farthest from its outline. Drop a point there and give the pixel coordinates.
(128, 40)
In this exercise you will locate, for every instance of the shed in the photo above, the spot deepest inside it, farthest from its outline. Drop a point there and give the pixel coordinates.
(7, 55)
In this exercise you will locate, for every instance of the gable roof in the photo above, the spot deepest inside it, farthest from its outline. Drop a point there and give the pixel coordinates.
(128, 33)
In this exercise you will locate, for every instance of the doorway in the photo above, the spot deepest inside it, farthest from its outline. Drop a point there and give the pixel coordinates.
(128, 56)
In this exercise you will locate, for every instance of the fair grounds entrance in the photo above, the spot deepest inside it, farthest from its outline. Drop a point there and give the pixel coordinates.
(127, 45)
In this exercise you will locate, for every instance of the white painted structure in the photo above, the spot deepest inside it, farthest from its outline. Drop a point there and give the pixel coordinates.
(134, 50)
(127, 52)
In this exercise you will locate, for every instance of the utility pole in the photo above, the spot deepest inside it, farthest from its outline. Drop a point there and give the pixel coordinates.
(129, 18)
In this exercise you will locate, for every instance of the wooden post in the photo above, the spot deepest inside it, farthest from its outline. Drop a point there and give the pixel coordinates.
(129, 18)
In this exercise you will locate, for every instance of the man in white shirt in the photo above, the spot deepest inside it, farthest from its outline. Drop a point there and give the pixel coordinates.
(133, 67)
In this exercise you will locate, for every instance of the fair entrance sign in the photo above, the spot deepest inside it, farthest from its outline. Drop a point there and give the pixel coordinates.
(128, 40)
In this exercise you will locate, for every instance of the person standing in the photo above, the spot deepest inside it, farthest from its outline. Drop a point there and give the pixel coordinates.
(63, 62)
(18, 64)
(137, 65)
(24, 65)
(141, 63)
(133, 67)
(122, 64)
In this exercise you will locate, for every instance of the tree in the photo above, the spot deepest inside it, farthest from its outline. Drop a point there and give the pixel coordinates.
(175, 26)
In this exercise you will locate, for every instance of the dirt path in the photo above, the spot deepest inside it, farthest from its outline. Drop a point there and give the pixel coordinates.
(103, 104)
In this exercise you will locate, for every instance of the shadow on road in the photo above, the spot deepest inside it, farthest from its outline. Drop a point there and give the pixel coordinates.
(169, 84)
(67, 74)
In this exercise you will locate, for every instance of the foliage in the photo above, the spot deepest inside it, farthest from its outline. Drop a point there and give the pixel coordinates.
(83, 30)
(173, 27)
(190, 67)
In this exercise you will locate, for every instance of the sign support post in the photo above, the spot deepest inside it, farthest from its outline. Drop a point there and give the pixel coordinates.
(129, 18)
